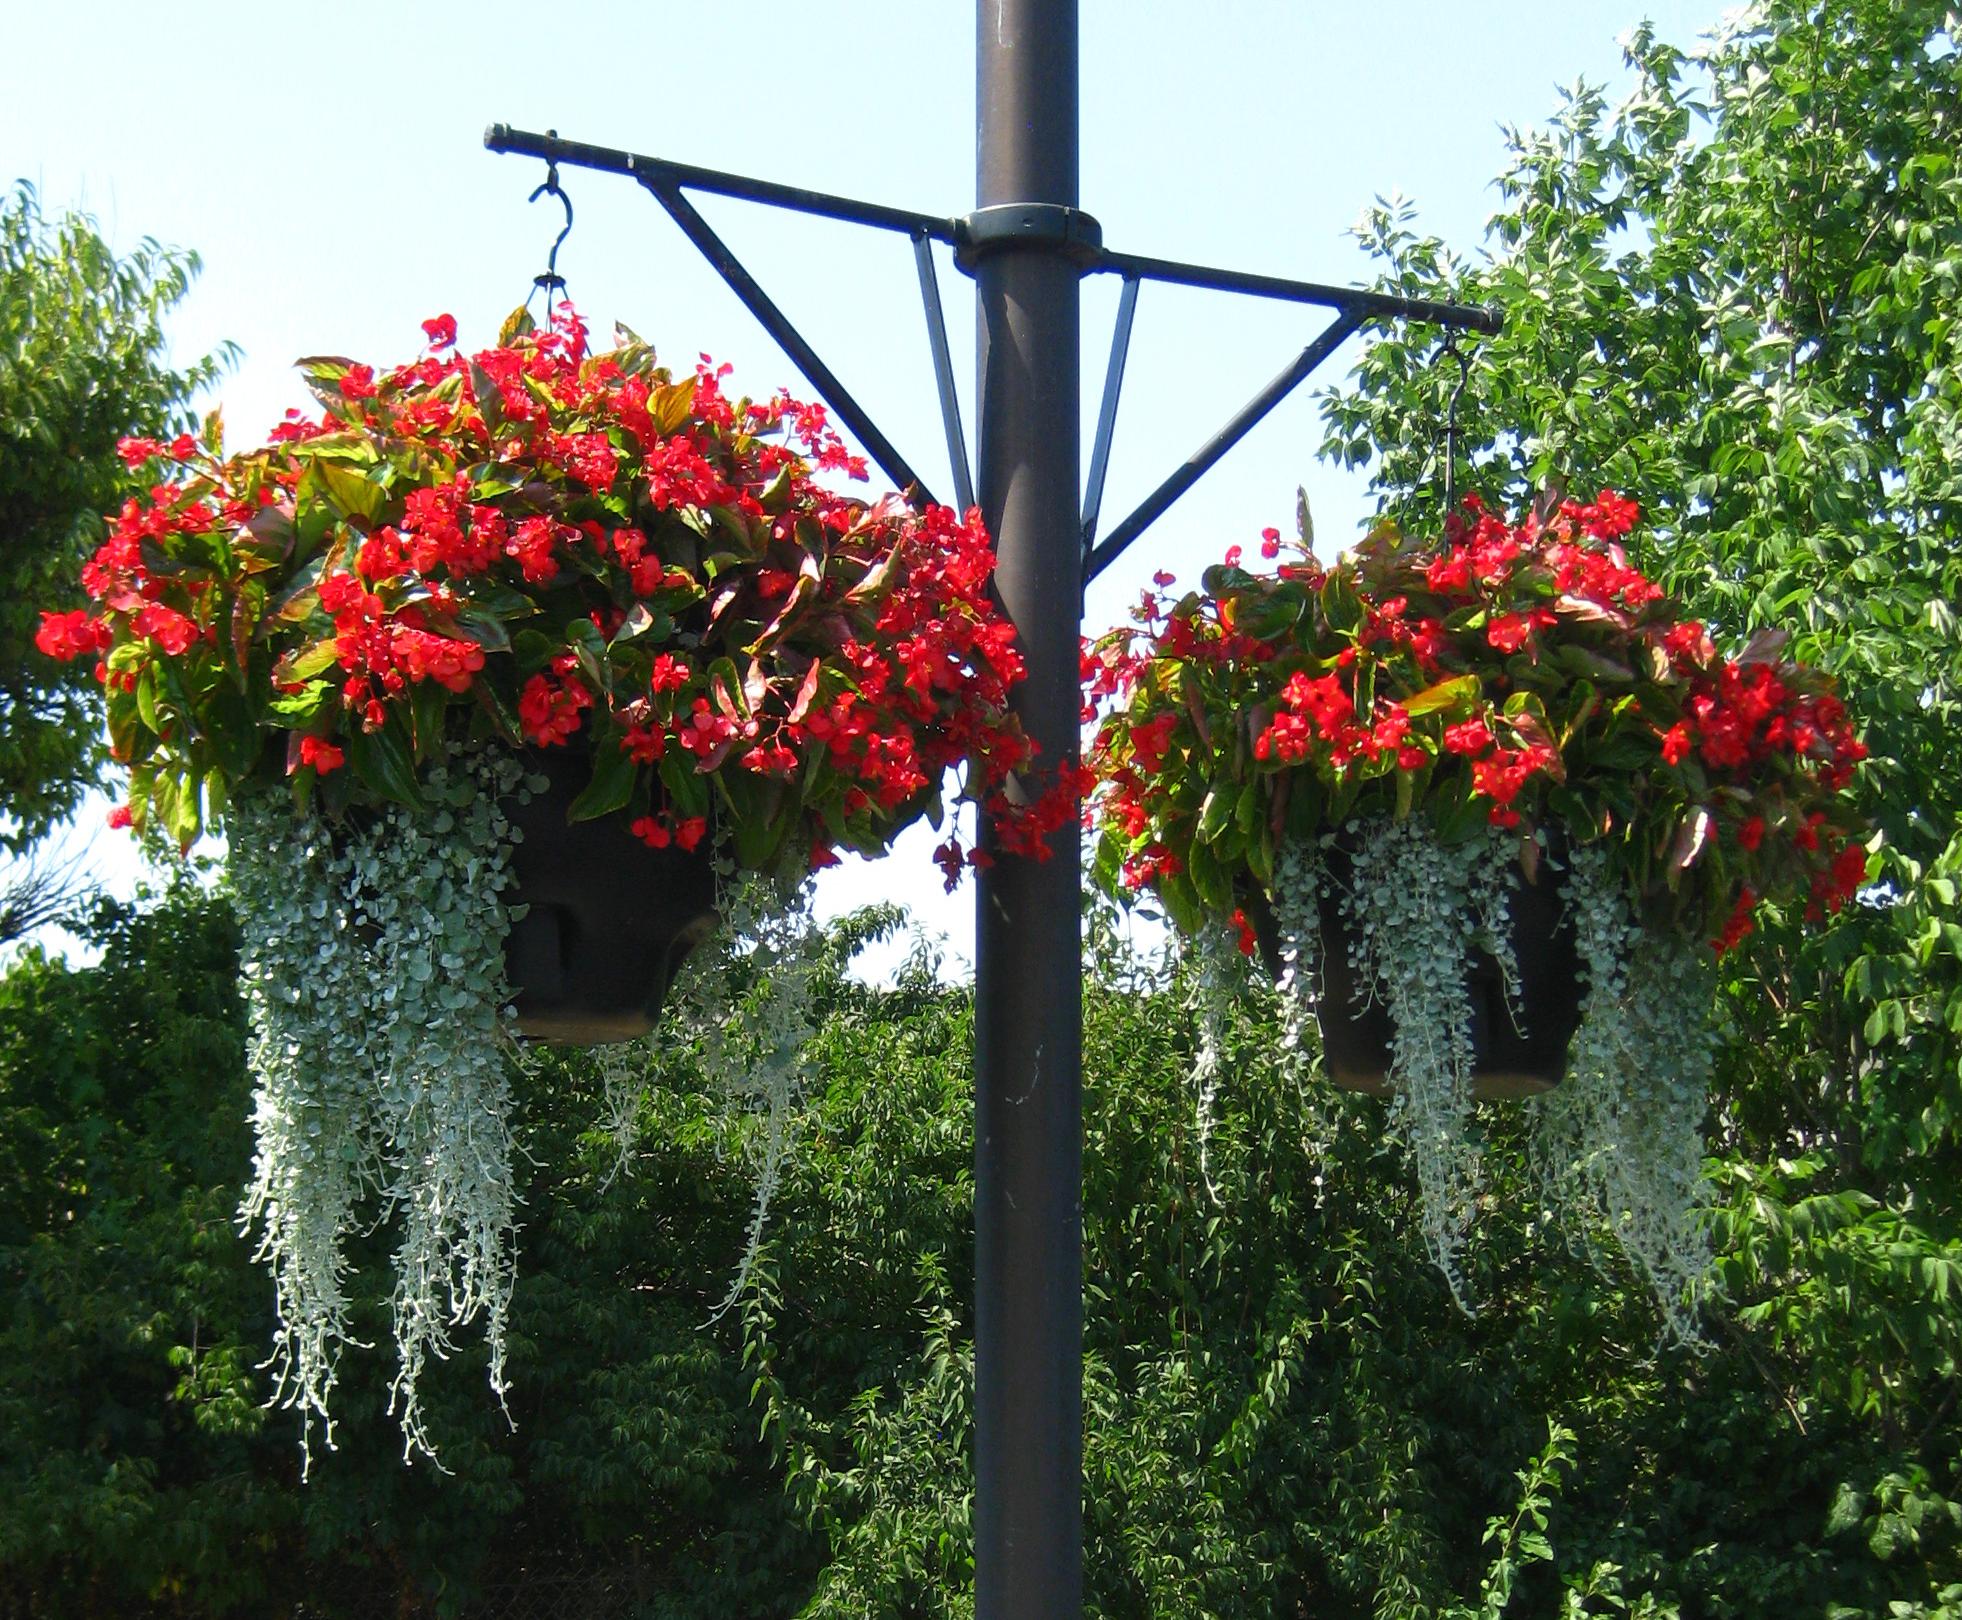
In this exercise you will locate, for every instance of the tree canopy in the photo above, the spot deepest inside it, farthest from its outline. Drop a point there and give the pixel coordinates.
(83, 363)
(1285, 1413)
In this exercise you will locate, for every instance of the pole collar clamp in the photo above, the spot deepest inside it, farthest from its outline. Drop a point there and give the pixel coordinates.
(1009, 226)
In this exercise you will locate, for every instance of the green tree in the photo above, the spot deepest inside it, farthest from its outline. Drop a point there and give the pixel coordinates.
(1735, 297)
(140, 1473)
(82, 364)
(1285, 1412)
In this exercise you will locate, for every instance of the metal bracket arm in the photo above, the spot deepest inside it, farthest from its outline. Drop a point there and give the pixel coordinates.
(1098, 557)
(611, 160)
(778, 325)
(1353, 305)
(973, 237)
(943, 370)
(1120, 346)
(665, 182)
(1486, 318)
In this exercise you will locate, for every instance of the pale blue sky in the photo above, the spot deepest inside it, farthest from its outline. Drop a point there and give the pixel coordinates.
(327, 164)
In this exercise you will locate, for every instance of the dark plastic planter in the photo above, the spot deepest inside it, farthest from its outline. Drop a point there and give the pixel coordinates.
(608, 920)
(1508, 1060)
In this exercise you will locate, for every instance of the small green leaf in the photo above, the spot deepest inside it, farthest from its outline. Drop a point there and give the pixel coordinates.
(672, 405)
(589, 647)
(502, 717)
(123, 721)
(516, 325)
(304, 663)
(295, 709)
(637, 623)
(1216, 812)
(1250, 813)
(232, 732)
(726, 688)
(383, 760)
(352, 493)
(1340, 605)
(612, 786)
(687, 789)
(487, 631)
(174, 800)
(1444, 695)
(1209, 879)
(146, 698)
(428, 710)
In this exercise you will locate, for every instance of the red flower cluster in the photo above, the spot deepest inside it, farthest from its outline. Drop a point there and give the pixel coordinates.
(660, 832)
(1742, 714)
(1507, 674)
(71, 635)
(551, 704)
(558, 548)
(384, 652)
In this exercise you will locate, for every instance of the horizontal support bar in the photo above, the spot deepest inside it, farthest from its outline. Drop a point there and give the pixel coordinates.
(656, 172)
(1353, 300)
(666, 181)
(660, 172)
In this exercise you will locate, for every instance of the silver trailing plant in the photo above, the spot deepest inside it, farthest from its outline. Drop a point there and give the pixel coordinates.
(1298, 884)
(1413, 907)
(741, 1014)
(304, 968)
(1619, 1144)
(381, 1046)
(1215, 971)
(1616, 1147)
(373, 965)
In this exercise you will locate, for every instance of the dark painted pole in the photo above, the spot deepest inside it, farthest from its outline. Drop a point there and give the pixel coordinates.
(1028, 1214)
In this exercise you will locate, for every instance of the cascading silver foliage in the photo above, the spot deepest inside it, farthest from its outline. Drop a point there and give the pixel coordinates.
(742, 1014)
(373, 967)
(1619, 1143)
(303, 969)
(1616, 1146)
(1298, 883)
(1413, 906)
(381, 1040)
(1215, 973)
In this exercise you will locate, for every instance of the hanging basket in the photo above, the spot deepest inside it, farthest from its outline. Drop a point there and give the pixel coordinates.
(606, 920)
(1514, 1057)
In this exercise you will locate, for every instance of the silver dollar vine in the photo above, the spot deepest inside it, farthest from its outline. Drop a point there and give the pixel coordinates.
(1413, 904)
(1214, 971)
(742, 1017)
(373, 962)
(1298, 884)
(1619, 1144)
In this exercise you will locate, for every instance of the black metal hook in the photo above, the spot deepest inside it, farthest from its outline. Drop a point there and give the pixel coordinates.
(551, 280)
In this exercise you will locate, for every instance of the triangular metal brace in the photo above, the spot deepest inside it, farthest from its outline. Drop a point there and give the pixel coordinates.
(999, 229)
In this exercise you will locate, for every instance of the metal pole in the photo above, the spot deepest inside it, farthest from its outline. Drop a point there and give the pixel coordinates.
(1028, 1196)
